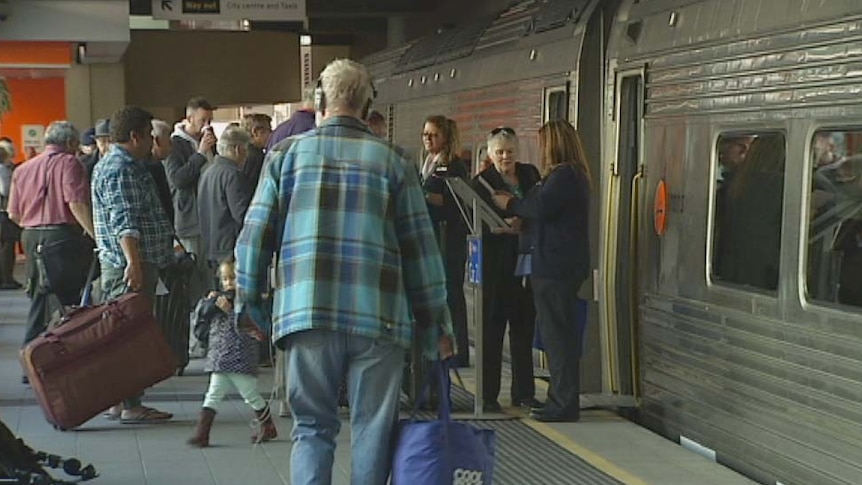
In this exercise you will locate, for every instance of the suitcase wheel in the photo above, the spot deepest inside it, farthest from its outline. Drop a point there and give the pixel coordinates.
(60, 428)
(181, 370)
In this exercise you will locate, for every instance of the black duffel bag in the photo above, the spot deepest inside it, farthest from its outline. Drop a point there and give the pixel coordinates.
(64, 266)
(9, 231)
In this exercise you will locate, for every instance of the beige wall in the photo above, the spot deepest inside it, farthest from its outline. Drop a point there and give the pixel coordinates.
(94, 91)
(165, 68)
(107, 89)
(78, 108)
(321, 55)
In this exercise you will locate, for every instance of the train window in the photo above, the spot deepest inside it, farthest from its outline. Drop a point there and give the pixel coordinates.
(556, 103)
(748, 209)
(834, 263)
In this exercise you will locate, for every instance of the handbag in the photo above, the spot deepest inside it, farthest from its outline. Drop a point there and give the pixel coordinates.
(442, 451)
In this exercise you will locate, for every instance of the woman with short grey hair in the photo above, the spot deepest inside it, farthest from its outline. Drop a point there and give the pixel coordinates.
(507, 294)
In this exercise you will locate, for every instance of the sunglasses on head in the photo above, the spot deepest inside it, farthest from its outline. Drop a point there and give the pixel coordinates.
(502, 129)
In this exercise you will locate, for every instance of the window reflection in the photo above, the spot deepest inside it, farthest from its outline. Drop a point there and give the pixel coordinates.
(749, 203)
(834, 265)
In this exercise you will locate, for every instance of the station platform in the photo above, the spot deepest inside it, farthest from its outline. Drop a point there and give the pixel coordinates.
(602, 448)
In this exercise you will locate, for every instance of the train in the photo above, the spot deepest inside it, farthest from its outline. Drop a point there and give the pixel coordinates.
(725, 140)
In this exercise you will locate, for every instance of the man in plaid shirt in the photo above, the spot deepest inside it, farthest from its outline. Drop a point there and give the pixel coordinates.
(132, 231)
(357, 272)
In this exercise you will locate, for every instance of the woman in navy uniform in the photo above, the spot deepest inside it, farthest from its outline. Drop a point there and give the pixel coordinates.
(441, 143)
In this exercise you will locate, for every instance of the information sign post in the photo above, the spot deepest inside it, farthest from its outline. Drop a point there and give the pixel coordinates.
(480, 214)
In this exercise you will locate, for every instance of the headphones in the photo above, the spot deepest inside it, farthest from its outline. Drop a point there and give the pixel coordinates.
(320, 98)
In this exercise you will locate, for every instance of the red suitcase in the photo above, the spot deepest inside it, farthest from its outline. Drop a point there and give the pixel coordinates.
(98, 357)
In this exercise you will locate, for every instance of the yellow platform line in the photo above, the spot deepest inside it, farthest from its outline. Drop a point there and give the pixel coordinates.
(597, 461)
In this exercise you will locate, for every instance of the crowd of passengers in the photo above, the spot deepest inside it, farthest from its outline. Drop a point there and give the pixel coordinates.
(370, 252)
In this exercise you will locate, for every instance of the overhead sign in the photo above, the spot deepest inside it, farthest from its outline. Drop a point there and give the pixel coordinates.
(283, 10)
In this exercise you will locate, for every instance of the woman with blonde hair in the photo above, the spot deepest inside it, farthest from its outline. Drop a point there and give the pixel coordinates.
(558, 211)
(441, 142)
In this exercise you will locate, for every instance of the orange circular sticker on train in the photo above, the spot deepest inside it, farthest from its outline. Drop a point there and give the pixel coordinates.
(660, 208)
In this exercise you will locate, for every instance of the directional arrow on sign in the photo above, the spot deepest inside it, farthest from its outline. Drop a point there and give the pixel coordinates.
(167, 5)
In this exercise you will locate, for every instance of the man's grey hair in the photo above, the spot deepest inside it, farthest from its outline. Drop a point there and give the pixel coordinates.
(346, 84)
(231, 139)
(61, 133)
(161, 129)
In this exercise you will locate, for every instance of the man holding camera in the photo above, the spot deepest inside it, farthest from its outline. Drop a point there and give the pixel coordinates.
(193, 143)
(358, 266)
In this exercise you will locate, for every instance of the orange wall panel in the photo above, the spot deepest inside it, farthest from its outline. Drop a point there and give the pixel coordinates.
(34, 102)
(38, 53)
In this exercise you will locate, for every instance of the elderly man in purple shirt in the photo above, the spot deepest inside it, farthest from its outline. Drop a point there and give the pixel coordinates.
(299, 122)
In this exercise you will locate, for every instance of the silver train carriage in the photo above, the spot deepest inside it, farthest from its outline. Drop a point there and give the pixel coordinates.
(725, 137)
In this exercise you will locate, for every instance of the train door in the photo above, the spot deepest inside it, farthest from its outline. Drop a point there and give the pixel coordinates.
(622, 222)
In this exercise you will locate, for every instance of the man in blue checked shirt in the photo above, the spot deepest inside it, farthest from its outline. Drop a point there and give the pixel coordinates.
(133, 233)
(358, 270)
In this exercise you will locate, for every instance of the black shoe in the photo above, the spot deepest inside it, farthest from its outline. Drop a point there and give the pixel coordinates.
(14, 285)
(492, 407)
(547, 417)
(529, 402)
(25, 380)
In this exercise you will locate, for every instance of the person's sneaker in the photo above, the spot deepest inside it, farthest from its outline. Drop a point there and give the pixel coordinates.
(25, 380)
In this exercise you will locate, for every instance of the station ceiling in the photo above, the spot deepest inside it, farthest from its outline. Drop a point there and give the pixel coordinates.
(332, 16)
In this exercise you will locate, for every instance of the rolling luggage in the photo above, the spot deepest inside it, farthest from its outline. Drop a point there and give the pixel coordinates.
(98, 357)
(172, 309)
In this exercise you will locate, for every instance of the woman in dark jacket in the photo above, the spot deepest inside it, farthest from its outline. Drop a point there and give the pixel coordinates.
(506, 294)
(558, 209)
(440, 140)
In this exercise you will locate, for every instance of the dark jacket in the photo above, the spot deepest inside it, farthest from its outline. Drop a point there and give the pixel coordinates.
(559, 210)
(183, 168)
(528, 176)
(299, 122)
(223, 198)
(253, 165)
(448, 213)
(157, 170)
(90, 161)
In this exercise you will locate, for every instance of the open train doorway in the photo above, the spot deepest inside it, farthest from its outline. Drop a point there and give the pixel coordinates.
(622, 217)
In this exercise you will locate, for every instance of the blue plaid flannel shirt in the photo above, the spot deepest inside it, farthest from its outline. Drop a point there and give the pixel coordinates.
(126, 203)
(355, 251)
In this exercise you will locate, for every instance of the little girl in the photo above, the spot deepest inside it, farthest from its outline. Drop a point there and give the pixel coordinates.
(232, 359)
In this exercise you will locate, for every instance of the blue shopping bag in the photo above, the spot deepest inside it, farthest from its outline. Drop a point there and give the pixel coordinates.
(442, 451)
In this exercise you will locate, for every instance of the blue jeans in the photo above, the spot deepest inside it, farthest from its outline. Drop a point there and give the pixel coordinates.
(317, 361)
